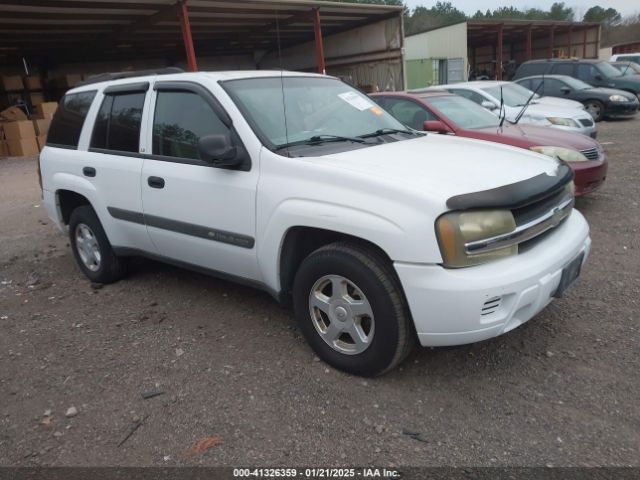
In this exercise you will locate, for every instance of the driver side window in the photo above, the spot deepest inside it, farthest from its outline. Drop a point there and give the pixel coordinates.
(180, 119)
(408, 112)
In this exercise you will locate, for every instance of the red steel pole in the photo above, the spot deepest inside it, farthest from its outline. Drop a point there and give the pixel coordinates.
(499, 54)
(186, 36)
(319, 42)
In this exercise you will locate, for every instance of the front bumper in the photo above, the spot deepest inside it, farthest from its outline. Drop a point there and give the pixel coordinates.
(447, 304)
(589, 175)
(621, 109)
(588, 130)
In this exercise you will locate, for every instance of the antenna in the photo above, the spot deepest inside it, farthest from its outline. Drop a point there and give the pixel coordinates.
(500, 114)
(284, 104)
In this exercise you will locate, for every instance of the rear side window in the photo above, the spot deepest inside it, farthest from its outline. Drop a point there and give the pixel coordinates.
(180, 119)
(68, 120)
(469, 94)
(531, 69)
(564, 69)
(117, 125)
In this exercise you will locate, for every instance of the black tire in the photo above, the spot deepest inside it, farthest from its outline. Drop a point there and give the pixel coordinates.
(394, 334)
(595, 108)
(110, 267)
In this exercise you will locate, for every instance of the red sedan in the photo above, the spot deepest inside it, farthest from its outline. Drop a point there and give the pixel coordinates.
(446, 113)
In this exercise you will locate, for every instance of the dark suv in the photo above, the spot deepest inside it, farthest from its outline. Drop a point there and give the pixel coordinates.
(597, 73)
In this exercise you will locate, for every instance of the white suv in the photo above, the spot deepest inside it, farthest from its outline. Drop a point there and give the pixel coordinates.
(301, 185)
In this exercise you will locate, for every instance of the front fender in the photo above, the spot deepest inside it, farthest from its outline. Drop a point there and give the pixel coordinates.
(384, 232)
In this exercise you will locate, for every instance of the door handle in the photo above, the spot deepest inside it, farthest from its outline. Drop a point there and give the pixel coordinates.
(89, 171)
(155, 182)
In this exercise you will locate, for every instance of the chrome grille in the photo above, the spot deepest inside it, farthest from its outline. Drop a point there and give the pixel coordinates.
(591, 153)
(586, 122)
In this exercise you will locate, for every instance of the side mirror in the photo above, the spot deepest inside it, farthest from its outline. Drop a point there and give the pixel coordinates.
(218, 150)
(565, 90)
(436, 126)
(598, 77)
(488, 105)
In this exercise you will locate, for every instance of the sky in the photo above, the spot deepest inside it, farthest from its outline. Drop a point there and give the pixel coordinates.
(625, 7)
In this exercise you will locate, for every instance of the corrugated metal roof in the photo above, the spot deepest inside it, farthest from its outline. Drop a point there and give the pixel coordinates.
(84, 30)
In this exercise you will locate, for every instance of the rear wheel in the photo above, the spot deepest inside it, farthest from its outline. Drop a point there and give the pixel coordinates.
(91, 248)
(595, 109)
(351, 309)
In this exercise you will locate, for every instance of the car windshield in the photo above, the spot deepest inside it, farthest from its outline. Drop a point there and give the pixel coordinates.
(514, 95)
(463, 112)
(575, 83)
(608, 70)
(286, 110)
(628, 68)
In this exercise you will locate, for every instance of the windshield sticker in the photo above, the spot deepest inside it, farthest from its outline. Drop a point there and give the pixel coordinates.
(356, 100)
(376, 110)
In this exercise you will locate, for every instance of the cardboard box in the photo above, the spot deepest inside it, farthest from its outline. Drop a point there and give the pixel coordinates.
(19, 130)
(13, 113)
(4, 149)
(36, 98)
(45, 110)
(12, 82)
(41, 125)
(23, 147)
(41, 140)
(71, 79)
(32, 82)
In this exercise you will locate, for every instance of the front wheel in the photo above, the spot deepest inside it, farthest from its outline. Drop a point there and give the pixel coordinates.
(595, 109)
(91, 248)
(351, 309)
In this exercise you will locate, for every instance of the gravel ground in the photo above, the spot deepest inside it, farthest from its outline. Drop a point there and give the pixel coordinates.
(561, 390)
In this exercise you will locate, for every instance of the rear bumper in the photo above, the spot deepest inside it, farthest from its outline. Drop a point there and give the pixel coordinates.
(589, 175)
(447, 304)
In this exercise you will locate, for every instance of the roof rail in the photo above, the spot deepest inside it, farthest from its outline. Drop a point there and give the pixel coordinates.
(103, 77)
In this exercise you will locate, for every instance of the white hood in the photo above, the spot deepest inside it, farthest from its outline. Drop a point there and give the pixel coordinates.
(560, 102)
(441, 166)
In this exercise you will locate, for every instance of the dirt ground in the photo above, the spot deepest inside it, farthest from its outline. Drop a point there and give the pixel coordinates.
(561, 390)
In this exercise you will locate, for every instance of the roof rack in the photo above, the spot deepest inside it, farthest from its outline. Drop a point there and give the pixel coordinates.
(103, 77)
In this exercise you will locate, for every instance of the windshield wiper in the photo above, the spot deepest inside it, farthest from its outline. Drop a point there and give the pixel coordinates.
(387, 131)
(317, 139)
(524, 107)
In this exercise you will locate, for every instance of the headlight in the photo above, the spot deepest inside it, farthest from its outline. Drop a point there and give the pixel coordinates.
(454, 229)
(565, 122)
(536, 120)
(618, 98)
(565, 154)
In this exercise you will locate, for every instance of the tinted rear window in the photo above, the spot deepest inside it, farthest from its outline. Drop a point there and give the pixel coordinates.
(68, 120)
(117, 125)
(530, 69)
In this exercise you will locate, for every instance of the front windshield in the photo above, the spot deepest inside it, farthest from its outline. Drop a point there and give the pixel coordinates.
(608, 70)
(284, 110)
(575, 83)
(628, 68)
(464, 112)
(514, 95)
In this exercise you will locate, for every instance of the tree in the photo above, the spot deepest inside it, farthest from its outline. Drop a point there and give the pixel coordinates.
(608, 17)
(559, 11)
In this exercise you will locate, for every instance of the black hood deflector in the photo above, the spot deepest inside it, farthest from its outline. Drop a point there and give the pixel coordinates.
(515, 195)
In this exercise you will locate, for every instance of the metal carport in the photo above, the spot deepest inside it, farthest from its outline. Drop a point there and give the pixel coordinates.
(82, 36)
